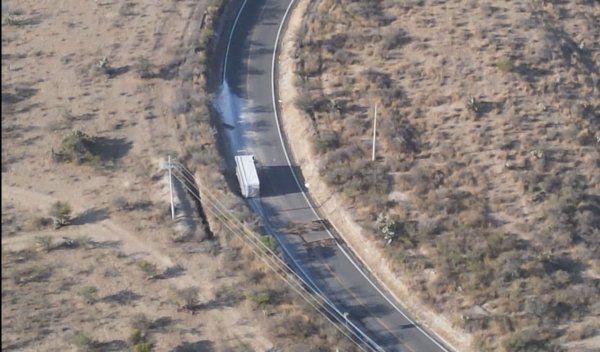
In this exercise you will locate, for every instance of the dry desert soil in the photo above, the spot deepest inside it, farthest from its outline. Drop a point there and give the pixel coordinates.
(95, 94)
(482, 209)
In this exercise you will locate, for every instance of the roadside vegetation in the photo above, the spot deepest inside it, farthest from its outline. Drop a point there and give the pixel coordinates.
(486, 186)
(85, 124)
(291, 323)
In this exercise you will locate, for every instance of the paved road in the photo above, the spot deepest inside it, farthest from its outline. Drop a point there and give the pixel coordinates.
(282, 203)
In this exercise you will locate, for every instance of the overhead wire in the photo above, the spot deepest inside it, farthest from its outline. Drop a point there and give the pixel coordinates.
(314, 302)
(273, 261)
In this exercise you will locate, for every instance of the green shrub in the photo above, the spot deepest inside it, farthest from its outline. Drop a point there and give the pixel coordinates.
(45, 242)
(261, 297)
(143, 68)
(143, 347)
(78, 147)
(204, 38)
(136, 337)
(505, 65)
(515, 342)
(82, 342)
(186, 298)
(269, 242)
(60, 213)
(88, 293)
(149, 269)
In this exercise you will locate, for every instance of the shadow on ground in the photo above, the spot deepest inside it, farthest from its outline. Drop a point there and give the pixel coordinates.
(91, 216)
(198, 346)
(111, 148)
(123, 297)
(111, 346)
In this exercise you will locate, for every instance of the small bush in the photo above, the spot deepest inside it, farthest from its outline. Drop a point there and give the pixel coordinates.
(60, 213)
(82, 342)
(327, 141)
(140, 322)
(505, 65)
(78, 147)
(121, 203)
(204, 38)
(45, 242)
(305, 102)
(88, 293)
(80, 241)
(143, 347)
(38, 223)
(387, 227)
(187, 298)
(33, 273)
(149, 269)
(474, 104)
(10, 19)
(144, 68)
(103, 65)
(269, 242)
(259, 298)
(136, 337)
(395, 38)
(519, 341)
(20, 256)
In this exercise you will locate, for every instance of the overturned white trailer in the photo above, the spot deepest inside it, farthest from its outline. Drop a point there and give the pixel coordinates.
(247, 176)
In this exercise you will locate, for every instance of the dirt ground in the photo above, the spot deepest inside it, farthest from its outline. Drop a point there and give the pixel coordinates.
(51, 85)
(487, 137)
(296, 128)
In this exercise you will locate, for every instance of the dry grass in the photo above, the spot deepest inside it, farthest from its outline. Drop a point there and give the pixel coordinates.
(489, 124)
(66, 66)
(117, 276)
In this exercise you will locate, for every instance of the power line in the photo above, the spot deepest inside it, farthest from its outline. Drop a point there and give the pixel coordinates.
(311, 300)
(275, 263)
(241, 228)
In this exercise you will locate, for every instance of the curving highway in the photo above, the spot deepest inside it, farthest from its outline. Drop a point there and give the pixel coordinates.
(247, 105)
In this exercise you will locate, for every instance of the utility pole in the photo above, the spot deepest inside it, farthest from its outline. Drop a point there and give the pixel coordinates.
(374, 132)
(171, 190)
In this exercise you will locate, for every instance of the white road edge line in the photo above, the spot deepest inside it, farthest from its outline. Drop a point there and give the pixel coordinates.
(308, 201)
(272, 231)
(237, 18)
(258, 207)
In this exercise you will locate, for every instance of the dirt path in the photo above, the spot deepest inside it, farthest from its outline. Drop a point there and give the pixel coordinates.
(227, 321)
(103, 230)
(51, 86)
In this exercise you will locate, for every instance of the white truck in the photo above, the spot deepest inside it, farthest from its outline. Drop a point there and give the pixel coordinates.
(247, 176)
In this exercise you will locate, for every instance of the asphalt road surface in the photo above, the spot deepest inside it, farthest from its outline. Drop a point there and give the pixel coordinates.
(248, 97)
